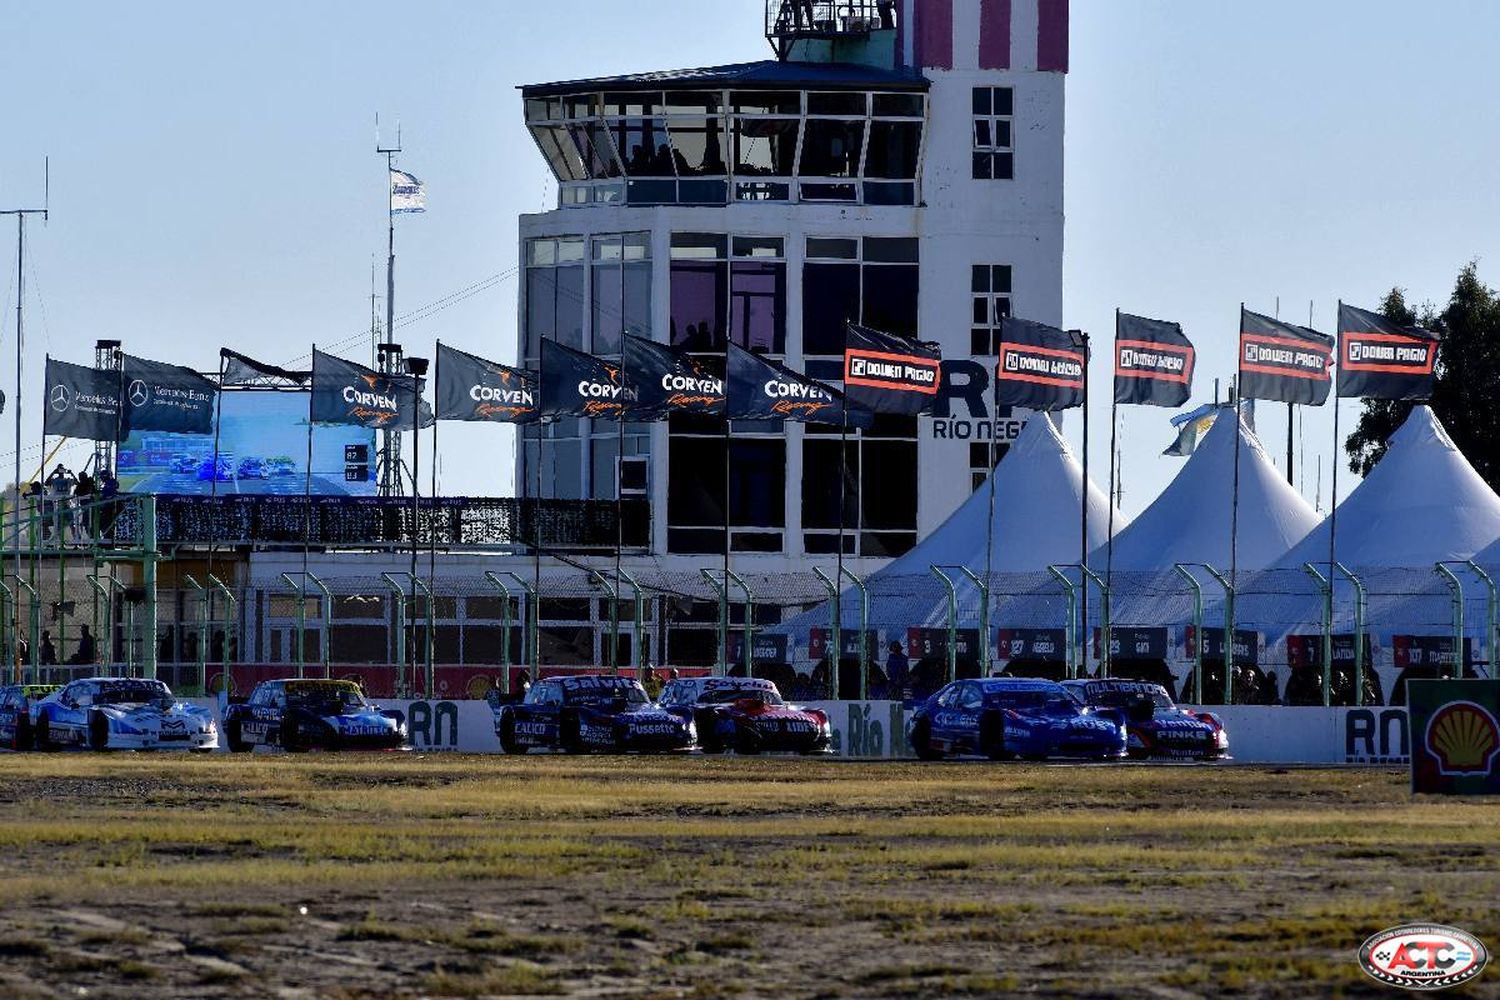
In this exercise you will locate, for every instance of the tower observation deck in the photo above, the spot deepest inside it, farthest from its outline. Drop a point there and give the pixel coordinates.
(832, 21)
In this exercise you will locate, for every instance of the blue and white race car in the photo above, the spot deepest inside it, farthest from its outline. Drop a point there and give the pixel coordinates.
(121, 713)
(588, 714)
(1158, 727)
(1005, 717)
(301, 715)
(15, 713)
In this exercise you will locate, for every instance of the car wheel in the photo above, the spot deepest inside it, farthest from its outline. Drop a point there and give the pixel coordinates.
(232, 736)
(98, 731)
(22, 739)
(41, 738)
(992, 737)
(708, 733)
(568, 737)
(508, 736)
(747, 745)
(921, 741)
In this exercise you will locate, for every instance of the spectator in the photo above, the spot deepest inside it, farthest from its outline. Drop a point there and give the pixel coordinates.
(652, 683)
(109, 504)
(59, 494)
(86, 516)
(84, 653)
(897, 672)
(673, 675)
(49, 651)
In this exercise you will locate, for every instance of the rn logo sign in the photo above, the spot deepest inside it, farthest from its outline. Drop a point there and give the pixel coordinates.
(432, 725)
(1371, 738)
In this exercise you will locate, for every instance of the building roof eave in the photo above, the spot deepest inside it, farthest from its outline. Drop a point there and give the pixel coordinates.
(766, 74)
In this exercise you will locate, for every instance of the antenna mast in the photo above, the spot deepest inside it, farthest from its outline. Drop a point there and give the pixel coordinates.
(390, 452)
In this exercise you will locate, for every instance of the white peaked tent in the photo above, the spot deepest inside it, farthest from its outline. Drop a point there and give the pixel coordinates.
(1190, 520)
(1422, 503)
(1037, 519)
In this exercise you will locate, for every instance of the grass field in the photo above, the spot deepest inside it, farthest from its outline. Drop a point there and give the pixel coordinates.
(450, 876)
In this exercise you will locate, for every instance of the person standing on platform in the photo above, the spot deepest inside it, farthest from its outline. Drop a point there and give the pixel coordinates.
(897, 672)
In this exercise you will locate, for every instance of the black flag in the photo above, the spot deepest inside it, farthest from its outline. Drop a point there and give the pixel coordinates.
(162, 397)
(346, 393)
(759, 389)
(1153, 362)
(1041, 367)
(889, 374)
(471, 388)
(1283, 362)
(575, 384)
(1381, 359)
(670, 381)
(239, 371)
(81, 402)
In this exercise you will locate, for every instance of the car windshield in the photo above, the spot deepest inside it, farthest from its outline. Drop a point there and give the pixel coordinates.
(327, 696)
(723, 696)
(603, 694)
(1047, 702)
(1121, 697)
(133, 693)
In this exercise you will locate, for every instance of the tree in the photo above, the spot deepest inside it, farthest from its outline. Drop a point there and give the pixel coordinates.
(1467, 378)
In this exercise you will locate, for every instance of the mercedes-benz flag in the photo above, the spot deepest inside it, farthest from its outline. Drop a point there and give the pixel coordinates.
(162, 397)
(1040, 367)
(1153, 362)
(1382, 359)
(472, 388)
(760, 389)
(1282, 361)
(670, 381)
(888, 374)
(81, 402)
(575, 384)
(347, 393)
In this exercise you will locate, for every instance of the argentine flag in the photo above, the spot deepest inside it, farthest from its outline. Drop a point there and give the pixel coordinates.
(408, 195)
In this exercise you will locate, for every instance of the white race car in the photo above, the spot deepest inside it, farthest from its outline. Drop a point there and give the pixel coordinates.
(121, 713)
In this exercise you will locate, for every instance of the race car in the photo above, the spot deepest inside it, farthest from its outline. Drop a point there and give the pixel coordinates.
(121, 713)
(251, 468)
(15, 713)
(1005, 717)
(1157, 727)
(746, 715)
(301, 715)
(591, 714)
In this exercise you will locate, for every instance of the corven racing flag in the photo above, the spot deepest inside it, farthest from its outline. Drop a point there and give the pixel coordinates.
(888, 374)
(1381, 359)
(471, 388)
(1283, 362)
(346, 393)
(161, 397)
(575, 384)
(1040, 366)
(759, 389)
(81, 402)
(1153, 362)
(670, 381)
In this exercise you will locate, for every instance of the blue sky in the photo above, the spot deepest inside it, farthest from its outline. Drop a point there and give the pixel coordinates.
(214, 179)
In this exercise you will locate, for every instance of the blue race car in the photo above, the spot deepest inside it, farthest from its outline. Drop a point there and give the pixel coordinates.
(121, 713)
(588, 714)
(301, 715)
(222, 470)
(1158, 728)
(15, 713)
(1005, 717)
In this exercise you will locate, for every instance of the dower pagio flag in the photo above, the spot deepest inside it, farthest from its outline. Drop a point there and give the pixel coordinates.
(1153, 362)
(408, 195)
(1283, 362)
(1382, 359)
(1040, 367)
(889, 374)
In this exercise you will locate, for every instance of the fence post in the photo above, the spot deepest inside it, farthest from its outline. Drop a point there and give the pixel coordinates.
(1070, 629)
(7, 640)
(1224, 582)
(864, 633)
(1325, 587)
(1491, 636)
(749, 651)
(952, 623)
(202, 592)
(530, 638)
(399, 593)
(1182, 570)
(1457, 586)
(985, 662)
(613, 594)
(1104, 627)
(505, 623)
(723, 595)
(638, 655)
(231, 626)
(148, 571)
(300, 590)
(1361, 614)
(33, 630)
(835, 613)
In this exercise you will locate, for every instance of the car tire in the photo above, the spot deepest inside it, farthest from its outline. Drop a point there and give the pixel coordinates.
(921, 741)
(992, 737)
(708, 733)
(568, 737)
(23, 739)
(507, 736)
(98, 732)
(41, 737)
(748, 745)
(232, 737)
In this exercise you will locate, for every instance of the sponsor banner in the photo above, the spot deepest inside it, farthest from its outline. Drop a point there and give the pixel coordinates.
(471, 388)
(866, 728)
(818, 638)
(1246, 645)
(1427, 651)
(1153, 362)
(1040, 367)
(241, 372)
(575, 384)
(1283, 362)
(1047, 644)
(81, 402)
(347, 393)
(1135, 642)
(1455, 729)
(1307, 650)
(1381, 359)
(408, 195)
(888, 374)
(759, 389)
(962, 409)
(170, 398)
(922, 643)
(670, 381)
(765, 649)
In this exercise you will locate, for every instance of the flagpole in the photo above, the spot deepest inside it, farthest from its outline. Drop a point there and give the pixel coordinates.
(534, 653)
(989, 524)
(1083, 516)
(724, 647)
(432, 493)
(306, 517)
(614, 610)
(837, 655)
(1234, 515)
(1114, 430)
(416, 515)
(1333, 525)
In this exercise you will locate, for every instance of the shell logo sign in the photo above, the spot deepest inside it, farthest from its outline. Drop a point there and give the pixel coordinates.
(1456, 743)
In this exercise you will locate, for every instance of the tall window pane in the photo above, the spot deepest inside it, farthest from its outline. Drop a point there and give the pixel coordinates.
(757, 314)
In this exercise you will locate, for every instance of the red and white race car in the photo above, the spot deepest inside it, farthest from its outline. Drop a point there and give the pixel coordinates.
(746, 715)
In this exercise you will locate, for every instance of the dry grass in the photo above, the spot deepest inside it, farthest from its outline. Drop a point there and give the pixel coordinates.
(457, 876)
